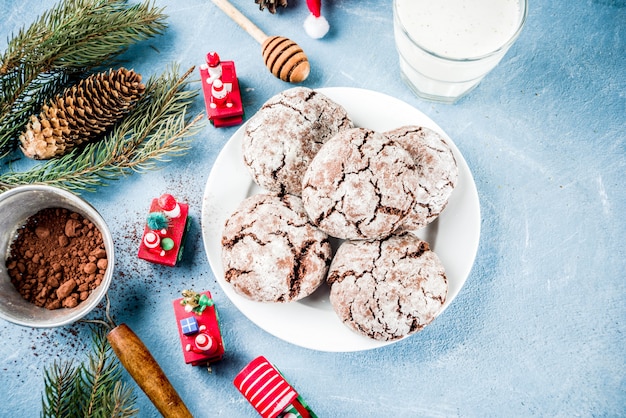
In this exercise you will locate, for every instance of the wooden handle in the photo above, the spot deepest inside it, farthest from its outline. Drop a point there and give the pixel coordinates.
(137, 360)
(245, 23)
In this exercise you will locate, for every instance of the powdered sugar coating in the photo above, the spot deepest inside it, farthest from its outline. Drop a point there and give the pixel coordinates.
(270, 250)
(437, 171)
(282, 138)
(387, 289)
(360, 185)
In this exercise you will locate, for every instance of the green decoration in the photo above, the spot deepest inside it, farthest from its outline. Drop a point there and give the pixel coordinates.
(64, 43)
(157, 221)
(205, 301)
(167, 244)
(195, 302)
(94, 388)
(156, 130)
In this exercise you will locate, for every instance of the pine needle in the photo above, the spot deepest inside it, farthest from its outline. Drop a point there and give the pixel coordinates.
(59, 384)
(93, 389)
(157, 130)
(71, 38)
(114, 404)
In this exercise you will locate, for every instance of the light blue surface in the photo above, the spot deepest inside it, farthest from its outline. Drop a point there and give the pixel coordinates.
(539, 328)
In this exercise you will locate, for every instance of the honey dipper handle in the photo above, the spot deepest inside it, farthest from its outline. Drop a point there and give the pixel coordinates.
(144, 369)
(245, 23)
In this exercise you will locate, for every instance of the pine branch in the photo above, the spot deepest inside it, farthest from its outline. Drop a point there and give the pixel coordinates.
(74, 36)
(98, 376)
(120, 402)
(93, 389)
(80, 34)
(156, 130)
(30, 97)
(59, 384)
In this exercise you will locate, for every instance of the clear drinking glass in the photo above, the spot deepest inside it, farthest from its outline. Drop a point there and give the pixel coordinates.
(446, 47)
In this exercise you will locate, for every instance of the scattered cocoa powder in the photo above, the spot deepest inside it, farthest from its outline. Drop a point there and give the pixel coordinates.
(57, 258)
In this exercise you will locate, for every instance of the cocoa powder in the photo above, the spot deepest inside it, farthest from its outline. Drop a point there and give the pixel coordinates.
(57, 258)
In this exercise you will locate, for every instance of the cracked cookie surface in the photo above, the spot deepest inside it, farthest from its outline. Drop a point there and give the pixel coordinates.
(270, 250)
(437, 172)
(282, 138)
(360, 185)
(387, 289)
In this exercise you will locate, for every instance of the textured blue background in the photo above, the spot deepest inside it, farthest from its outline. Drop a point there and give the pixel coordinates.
(538, 329)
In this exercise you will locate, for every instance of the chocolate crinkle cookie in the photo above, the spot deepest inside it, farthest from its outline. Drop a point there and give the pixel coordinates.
(282, 138)
(436, 168)
(270, 250)
(360, 185)
(387, 289)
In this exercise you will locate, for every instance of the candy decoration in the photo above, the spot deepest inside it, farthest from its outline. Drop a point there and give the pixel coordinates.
(157, 220)
(170, 206)
(167, 244)
(189, 325)
(165, 231)
(151, 240)
(205, 343)
(282, 56)
(222, 95)
(204, 301)
(199, 328)
(195, 302)
(316, 25)
(214, 67)
(268, 391)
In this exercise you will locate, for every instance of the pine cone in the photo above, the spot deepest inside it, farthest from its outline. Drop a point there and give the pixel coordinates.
(271, 4)
(83, 113)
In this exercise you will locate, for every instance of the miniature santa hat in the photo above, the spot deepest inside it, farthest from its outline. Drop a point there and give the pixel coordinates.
(170, 206)
(212, 59)
(315, 25)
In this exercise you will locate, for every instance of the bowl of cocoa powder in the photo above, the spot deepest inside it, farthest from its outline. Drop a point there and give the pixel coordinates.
(56, 256)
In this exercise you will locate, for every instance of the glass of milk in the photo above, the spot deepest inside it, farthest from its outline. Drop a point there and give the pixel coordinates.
(447, 46)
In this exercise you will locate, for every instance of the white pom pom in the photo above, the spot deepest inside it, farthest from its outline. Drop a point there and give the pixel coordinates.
(316, 27)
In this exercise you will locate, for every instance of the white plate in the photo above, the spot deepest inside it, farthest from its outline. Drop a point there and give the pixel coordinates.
(311, 322)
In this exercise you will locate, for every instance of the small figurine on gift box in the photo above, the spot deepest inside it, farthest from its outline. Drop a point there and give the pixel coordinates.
(198, 328)
(269, 393)
(222, 96)
(164, 235)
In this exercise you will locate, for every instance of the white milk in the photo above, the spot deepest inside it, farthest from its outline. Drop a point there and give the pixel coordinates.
(447, 46)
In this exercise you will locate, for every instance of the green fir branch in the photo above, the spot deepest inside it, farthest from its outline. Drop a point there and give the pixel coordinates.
(120, 402)
(93, 389)
(14, 115)
(59, 382)
(98, 375)
(157, 130)
(73, 37)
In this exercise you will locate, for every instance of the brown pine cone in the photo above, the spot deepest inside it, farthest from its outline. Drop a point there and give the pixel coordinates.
(270, 4)
(82, 113)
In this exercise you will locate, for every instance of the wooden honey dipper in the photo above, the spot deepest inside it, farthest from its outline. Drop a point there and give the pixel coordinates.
(282, 56)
